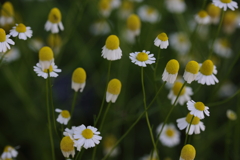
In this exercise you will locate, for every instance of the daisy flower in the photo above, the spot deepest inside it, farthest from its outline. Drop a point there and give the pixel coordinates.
(78, 79)
(180, 42)
(175, 6)
(63, 117)
(222, 48)
(55, 42)
(86, 137)
(133, 28)
(105, 8)
(5, 41)
(7, 14)
(53, 70)
(230, 22)
(202, 17)
(21, 31)
(225, 4)
(46, 57)
(54, 21)
(188, 152)
(148, 14)
(12, 55)
(197, 109)
(191, 71)
(9, 152)
(184, 96)
(195, 127)
(100, 27)
(214, 13)
(67, 146)
(69, 132)
(171, 71)
(231, 115)
(36, 44)
(206, 74)
(113, 90)
(125, 10)
(108, 143)
(111, 50)
(170, 136)
(115, 3)
(161, 41)
(142, 58)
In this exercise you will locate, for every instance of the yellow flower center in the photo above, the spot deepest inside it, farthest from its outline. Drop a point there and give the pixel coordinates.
(21, 28)
(150, 10)
(188, 152)
(7, 148)
(192, 67)
(50, 69)
(170, 132)
(207, 67)
(142, 56)
(67, 144)
(7, 9)
(163, 36)
(127, 5)
(230, 18)
(176, 88)
(195, 120)
(114, 86)
(199, 106)
(54, 40)
(79, 75)
(45, 54)
(182, 38)
(65, 114)
(172, 66)
(224, 42)
(226, 1)
(2, 35)
(104, 4)
(133, 22)
(55, 15)
(213, 10)
(231, 115)
(202, 14)
(87, 133)
(112, 42)
(109, 141)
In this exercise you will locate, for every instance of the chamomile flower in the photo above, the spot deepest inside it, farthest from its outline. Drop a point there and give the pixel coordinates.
(108, 143)
(11, 55)
(53, 70)
(161, 41)
(142, 58)
(78, 79)
(86, 137)
(5, 41)
(222, 48)
(9, 152)
(100, 27)
(54, 21)
(111, 50)
(175, 6)
(188, 152)
(7, 14)
(197, 109)
(115, 3)
(191, 71)
(69, 132)
(230, 22)
(55, 42)
(206, 74)
(148, 14)
(67, 147)
(113, 90)
(170, 136)
(21, 31)
(171, 71)
(125, 10)
(63, 117)
(46, 57)
(214, 13)
(231, 115)
(225, 4)
(195, 127)
(202, 17)
(184, 96)
(133, 28)
(180, 42)
(105, 8)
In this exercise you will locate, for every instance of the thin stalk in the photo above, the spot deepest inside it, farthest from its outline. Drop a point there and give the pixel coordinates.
(228, 139)
(3, 57)
(79, 154)
(188, 131)
(73, 103)
(237, 133)
(157, 94)
(155, 69)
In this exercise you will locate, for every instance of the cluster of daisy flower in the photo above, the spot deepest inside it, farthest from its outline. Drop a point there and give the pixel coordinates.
(9, 153)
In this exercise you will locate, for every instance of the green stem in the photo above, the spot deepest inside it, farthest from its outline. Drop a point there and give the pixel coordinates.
(227, 141)
(3, 57)
(157, 94)
(73, 103)
(79, 154)
(155, 69)
(237, 133)
(188, 130)
(146, 113)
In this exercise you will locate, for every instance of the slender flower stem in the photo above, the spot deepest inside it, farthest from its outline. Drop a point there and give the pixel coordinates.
(79, 154)
(157, 94)
(188, 131)
(237, 132)
(2, 57)
(48, 115)
(73, 103)
(155, 69)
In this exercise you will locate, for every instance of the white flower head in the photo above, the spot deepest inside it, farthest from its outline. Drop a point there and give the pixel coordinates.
(133, 28)
(7, 14)
(86, 137)
(171, 71)
(111, 50)
(197, 109)
(67, 146)
(142, 58)
(202, 17)
(108, 143)
(79, 79)
(5, 41)
(113, 90)
(54, 21)
(175, 6)
(21, 31)
(105, 8)
(9, 152)
(225, 4)
(195, 127)
(222, 48)
(53, 70)
(63, 117)
(180, 42)
(100, 27)
(191, 71)
(231, 115)
(188, 152)
(170, 136)
(11, 55)
(161, 41)
(148, 14)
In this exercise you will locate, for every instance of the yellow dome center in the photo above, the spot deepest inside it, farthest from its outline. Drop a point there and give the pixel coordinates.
(104, 5)
(133, 22)
(7, 10)
(176, 89)
(142, 56)
(2, 35)
(67, 144)
(172, 66)
(127, 5)
(195, 120)
(188, 152)
(112, 42)
(202, 14)
(87, 133)
(199, 106)
(150, 10)
(109, 141)
(207, 67)
(224, 42)
(213, 10)
(114, 86)
(79, 75)
(163, 37)
(230, 18)
(226, 1)
(7, 148)
(45, 54)
(50, 69)
(170, 132)
(65, 114)
(54, 40)
(55, 15)
(192, 67)
(21, 28)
